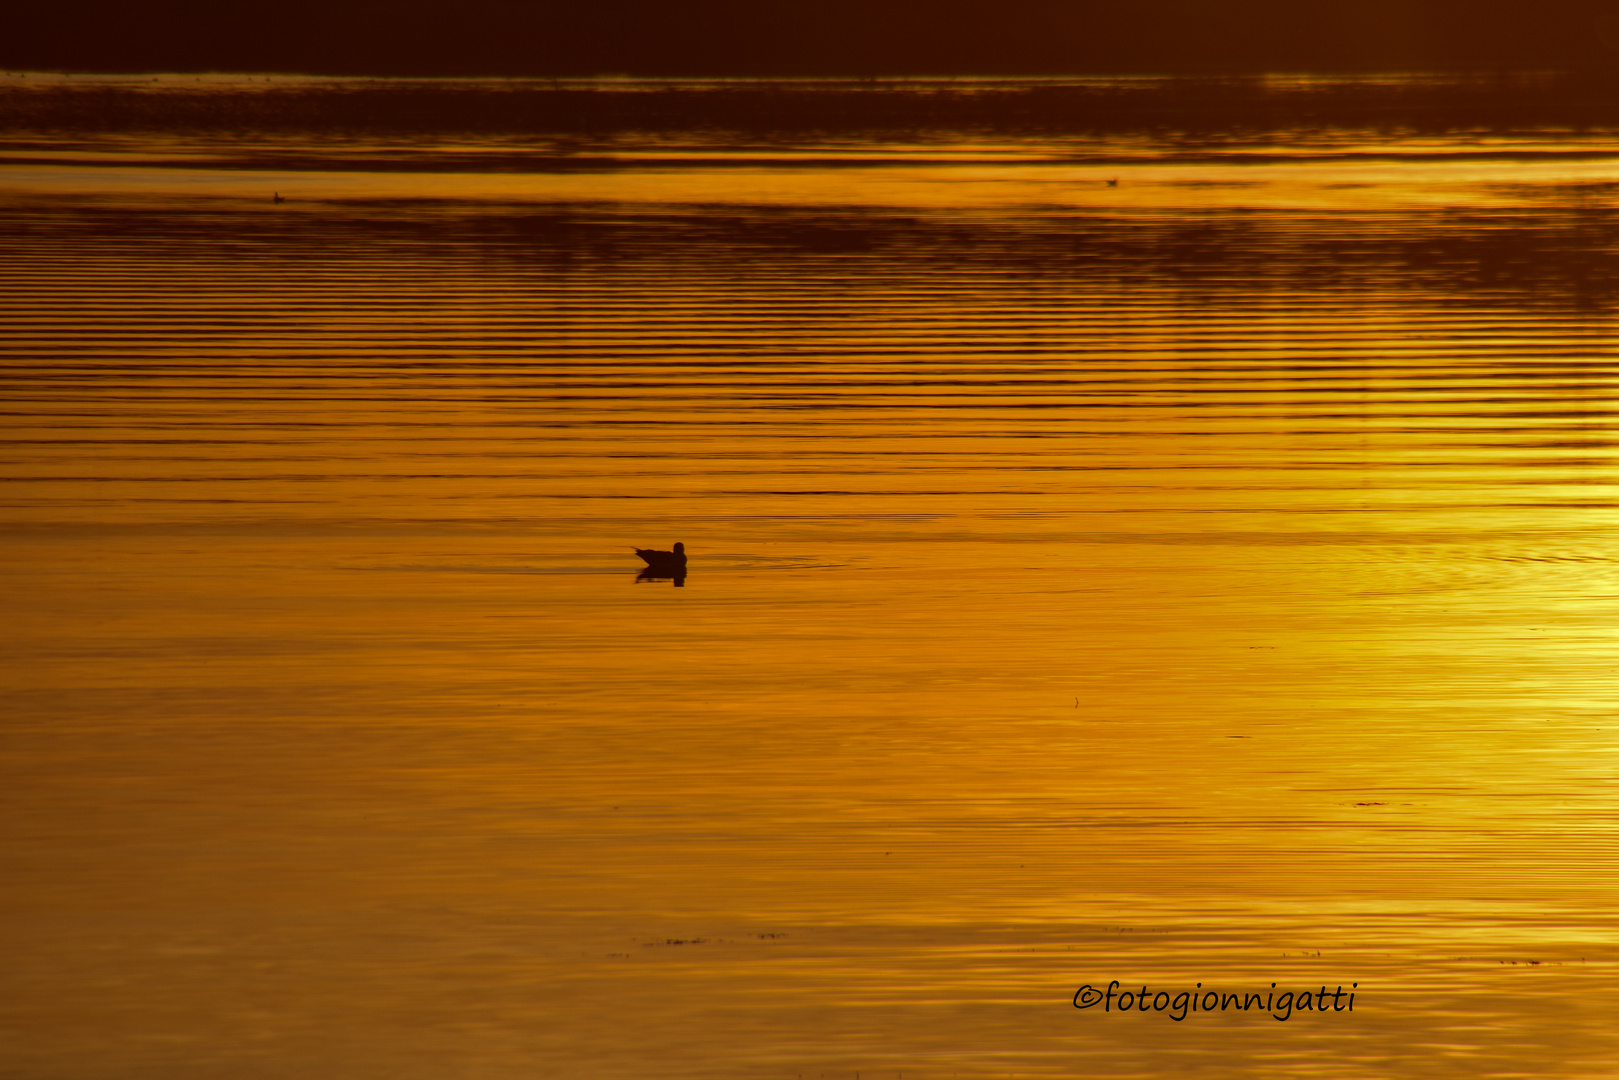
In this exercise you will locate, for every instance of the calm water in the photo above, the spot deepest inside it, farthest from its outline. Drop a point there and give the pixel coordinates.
(1204, 579)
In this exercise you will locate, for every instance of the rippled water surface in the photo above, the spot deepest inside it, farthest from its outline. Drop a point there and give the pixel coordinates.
(1207, 577)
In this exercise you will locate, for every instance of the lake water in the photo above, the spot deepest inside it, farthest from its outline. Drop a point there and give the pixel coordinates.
(1203, 579)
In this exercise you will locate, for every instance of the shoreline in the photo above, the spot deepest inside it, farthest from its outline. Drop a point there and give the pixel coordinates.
(1077, 105)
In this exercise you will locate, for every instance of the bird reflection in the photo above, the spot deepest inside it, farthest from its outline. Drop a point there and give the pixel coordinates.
(663, 565)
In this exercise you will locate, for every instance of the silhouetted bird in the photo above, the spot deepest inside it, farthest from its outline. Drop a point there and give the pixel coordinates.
(664, 562)
(1113, 182)
(278, 197)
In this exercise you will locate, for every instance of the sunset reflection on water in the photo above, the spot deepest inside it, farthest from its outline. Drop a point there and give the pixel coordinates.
(1206, 579)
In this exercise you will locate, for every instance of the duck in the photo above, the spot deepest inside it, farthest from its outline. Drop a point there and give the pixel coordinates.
(673, 562)
(279, 197)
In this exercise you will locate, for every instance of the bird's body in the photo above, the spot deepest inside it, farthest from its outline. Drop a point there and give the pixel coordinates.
(667, 561)
(279, 197)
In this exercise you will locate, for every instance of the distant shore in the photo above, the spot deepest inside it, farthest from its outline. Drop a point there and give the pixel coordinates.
(1441, 102)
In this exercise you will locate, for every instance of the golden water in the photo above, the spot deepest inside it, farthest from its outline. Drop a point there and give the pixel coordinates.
(1208, 579)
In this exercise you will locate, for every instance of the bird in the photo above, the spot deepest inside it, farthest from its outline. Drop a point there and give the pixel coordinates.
(1113, 182)
(671, 562)
(278, 197)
